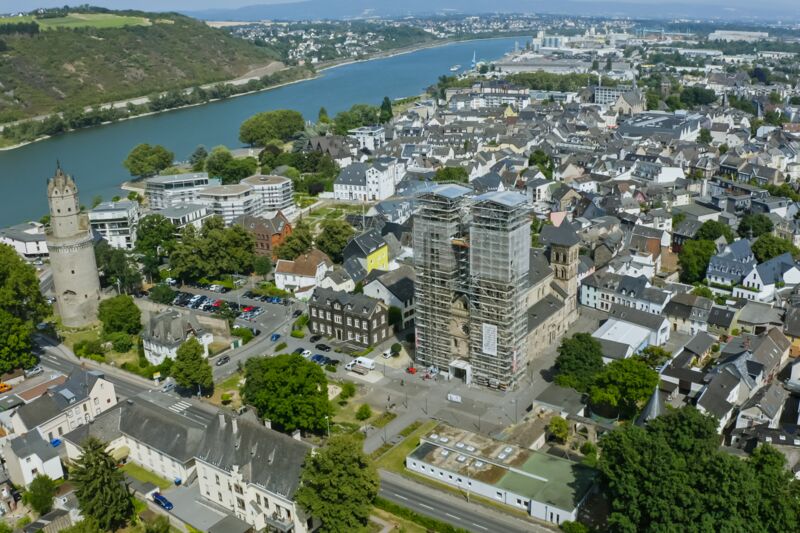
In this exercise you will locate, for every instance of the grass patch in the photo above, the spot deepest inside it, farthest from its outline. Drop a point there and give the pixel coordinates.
(304, 200)
(226, 392)
(81, 20)
(383, 419)
(145, 476)
(395, 459)
(422, 522)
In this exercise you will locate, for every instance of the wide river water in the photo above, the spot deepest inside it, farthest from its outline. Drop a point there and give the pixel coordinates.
(94, 156)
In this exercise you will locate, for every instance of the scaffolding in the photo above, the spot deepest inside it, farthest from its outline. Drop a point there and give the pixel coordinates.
(440, 260)
(499, 264)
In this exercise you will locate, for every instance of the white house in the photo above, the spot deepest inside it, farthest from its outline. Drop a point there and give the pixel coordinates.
(116, 222)
(76, 402)
(303, 274)
(369, 137)
(365, 183)
(28, 456)
(166, 331)
(762, 281)
(28, 239)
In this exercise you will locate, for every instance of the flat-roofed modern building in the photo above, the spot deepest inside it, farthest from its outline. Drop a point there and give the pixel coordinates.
(276, 192)
(184, 214)
(168, 191)
(116, 222)
(231, 201)
(547, 487)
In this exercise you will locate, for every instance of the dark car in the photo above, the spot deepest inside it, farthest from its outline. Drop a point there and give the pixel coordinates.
(315, 338)
(162, 501)
(318, 358)
(222, 360)
(297, 313)
(274, 337)
(323, 347)
(297, 351)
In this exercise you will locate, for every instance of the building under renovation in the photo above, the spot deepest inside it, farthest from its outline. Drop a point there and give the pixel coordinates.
(485, 301)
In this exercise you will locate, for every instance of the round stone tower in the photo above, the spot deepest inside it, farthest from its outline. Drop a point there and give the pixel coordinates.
(69, 241)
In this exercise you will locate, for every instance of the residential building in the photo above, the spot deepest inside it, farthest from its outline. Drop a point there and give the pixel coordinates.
(183, 215)
(81, 398)
(28, 456)
(173, 190)
(116, 223)
(355, 318)
(370, 249)
(546, 487)
(395, 289)
(688, 313)
(369, 138)
(28, 239)
(364, 183)
(762, 281)
(729, 267)
(268, 232)
(303, 274)
(601, 290)
(276, 192)
(164, 333)
(231, 201)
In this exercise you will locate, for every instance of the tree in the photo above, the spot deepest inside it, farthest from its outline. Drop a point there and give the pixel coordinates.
(654, 355)
(322, 116)
(97, 200)
(297, 243)
(146, 160)
(100, 487)
(702, 290)
(87, 525)
(155, 236)
(693, 260)
(711, 230)
(21, 308)
(622, 385)
(117, 268)
(334, 237)
(280, 124)
(543, 162)
(768, 246)
(754, 225)
(386, 113)
(198, 158)
(456, 174)
(289, 390)
(363, 412)
(609, 64)
(159, 525)
(559, 429)
(262, 265)
(40, 494)
(579, 358)
(213, 252)
(396, 348)
(355, 117)
(705, 136)
(191, 369)
(338, 484)
(218, 160)
(162, 294)
(120, 314)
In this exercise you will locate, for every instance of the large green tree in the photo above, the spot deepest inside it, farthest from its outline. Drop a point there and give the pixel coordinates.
(212, 252)
(334, 237)
(100, 487)
(671, 476)
(579, 359)
(280, 124)
(146, 160)
(358, 115)
(693, 260)
(712, 230)
(120, 315)
(456, 174)
(768, 246)
(386, 112)
(21, 308)
(221, 164)
(117, 268)
(289, 390)
(191, 369)
(155, 236)
(40, 494)
(754, 226)
(623, 385)
(297, 243)
(338, 485)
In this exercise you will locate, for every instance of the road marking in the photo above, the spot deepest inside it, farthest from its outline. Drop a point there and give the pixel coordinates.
(426, 506)
(179, 407)
(453, 516)
(399, 496)
(480, 526)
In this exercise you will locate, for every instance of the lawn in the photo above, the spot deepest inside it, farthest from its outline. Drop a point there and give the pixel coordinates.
(229, 385)
(400, 524)
(81, 20)
(395, 459)
(145, 476)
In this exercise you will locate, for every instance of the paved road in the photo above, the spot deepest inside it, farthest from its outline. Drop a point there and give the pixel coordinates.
(450, 509)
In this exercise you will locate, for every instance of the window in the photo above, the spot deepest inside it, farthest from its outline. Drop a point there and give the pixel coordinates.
(237, 489)
(337, 319)
(258, 499)
(240, 503)
(349, 321)
(219, 496)
(216, 478)
(313, 312)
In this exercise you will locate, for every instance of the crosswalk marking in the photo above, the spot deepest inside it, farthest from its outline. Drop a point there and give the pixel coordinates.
(179, 407)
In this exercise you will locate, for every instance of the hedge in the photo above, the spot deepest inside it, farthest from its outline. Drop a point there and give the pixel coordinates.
(431, 524)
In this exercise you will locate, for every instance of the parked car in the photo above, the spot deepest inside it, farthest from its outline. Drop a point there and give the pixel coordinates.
(35, 371)
(387, 354)
(168, 386)
(315, 338)
(297, 313)
(298, 351)
(162, 501)
(274, 337)
(318, 358)
(323, 347)
(5, 387)
(306, 353)
(222, 360)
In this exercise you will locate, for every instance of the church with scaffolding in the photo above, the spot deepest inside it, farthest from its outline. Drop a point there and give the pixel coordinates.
(486, 301)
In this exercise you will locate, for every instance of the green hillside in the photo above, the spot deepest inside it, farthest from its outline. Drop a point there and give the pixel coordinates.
(87, 59)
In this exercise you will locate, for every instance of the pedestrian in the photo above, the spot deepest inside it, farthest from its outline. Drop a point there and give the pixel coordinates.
(402, 382)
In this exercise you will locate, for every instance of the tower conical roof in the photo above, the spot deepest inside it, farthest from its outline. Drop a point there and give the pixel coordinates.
(653, 409)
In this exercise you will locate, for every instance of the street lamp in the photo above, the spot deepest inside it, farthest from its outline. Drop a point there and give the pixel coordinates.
(328, 423)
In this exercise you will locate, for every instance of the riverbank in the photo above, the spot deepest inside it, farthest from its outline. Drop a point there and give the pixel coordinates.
(318, 69)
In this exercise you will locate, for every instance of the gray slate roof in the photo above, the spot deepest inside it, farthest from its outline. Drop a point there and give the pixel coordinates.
(48, 406)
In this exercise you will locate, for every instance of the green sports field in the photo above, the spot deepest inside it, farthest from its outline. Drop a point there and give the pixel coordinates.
(82, 20)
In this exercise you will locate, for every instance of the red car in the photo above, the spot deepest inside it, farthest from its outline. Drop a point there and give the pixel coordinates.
(217, 303)
(248, 309)
(411, 370)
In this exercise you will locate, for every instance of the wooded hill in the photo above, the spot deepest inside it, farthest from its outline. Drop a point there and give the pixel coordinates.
(67, 67)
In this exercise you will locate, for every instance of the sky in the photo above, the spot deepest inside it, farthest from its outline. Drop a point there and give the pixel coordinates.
(763, 8)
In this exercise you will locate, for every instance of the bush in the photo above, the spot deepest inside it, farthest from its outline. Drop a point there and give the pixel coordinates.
(162, 294)
(297, 334)
(330, 368)
(280, 346)
(364, 412)
(301, 322)
(348, 390)
(226, 398)
(573, 527)
(243, 333)
(396, 347)
(120, 342)
(88, 348)
(430, 524)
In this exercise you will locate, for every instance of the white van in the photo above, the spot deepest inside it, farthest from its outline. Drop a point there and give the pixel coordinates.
(365, 362)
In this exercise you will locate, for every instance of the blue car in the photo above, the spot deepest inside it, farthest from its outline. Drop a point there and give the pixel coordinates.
(318, 358)
(275, 336)
(162, 501)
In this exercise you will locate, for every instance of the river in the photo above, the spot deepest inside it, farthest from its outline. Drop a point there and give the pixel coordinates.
(94, 156)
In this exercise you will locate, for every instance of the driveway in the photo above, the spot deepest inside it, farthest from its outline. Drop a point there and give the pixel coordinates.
(191, 508)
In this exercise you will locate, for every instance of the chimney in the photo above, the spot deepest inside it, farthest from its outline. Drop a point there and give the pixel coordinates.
(296, 435)
(234, 426)
(221, 420)
(268, 423)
